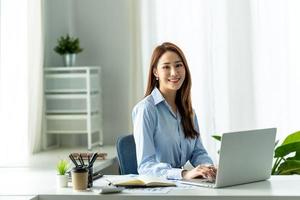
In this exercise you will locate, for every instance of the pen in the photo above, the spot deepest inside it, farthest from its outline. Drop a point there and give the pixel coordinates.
(73, 160)
(97, 176)
(109, 182)
(94, 157)
(81, 160)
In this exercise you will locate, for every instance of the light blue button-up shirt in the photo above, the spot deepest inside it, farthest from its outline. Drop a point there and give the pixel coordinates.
(161, 147)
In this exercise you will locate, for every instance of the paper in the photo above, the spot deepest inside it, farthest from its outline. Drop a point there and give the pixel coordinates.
(156, 190)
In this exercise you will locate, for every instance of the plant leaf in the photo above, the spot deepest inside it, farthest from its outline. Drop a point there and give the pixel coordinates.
(286, 149)
(68, 45)
(217, 137)
(289, 167)
(294, 137)
(289, 145)
(62, 167)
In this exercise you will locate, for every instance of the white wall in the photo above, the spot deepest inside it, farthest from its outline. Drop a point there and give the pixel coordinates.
(103, 27)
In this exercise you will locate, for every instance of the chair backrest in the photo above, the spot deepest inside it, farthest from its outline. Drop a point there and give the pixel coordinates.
(127, 155)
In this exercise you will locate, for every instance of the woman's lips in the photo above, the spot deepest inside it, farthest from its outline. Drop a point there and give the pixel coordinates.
(174, 80)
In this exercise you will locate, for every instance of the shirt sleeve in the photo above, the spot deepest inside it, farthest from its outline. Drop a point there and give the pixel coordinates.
(199, 155)
(144, 124)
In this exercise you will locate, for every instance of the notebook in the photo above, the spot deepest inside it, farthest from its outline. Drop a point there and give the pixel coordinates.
(245, 157)
(139, 181)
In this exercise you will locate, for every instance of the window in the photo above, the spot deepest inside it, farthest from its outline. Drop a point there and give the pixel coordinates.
(13, 83)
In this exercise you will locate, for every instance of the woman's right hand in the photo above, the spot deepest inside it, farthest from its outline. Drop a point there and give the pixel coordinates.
(201, 171)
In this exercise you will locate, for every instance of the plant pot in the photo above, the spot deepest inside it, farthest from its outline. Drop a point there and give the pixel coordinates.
(61, 180)
(69, 59)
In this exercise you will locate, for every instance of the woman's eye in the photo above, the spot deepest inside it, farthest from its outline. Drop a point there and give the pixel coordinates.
(179, 65)
(166, 67)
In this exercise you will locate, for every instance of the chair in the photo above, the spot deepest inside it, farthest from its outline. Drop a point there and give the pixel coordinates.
(127, 155)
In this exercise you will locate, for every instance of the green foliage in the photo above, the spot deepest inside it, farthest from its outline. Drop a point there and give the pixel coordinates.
(217, 137)
(287, 155)
(62, 167)
(67, 45)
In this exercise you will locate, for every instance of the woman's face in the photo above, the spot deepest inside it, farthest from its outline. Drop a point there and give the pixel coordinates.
(170, 72)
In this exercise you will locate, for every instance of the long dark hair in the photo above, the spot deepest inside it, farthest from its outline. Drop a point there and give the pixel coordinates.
(183, 95)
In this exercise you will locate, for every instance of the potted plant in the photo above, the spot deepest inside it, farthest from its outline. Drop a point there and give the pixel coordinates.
(68, 47)
(62, 168)
(287, 155)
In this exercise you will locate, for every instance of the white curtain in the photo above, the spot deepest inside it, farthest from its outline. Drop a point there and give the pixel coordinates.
(13, 82)
(35, 75)
(242, 56)
(276, 47)
(20, 80)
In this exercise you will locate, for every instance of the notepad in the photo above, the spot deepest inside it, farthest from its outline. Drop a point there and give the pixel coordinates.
(140, 181)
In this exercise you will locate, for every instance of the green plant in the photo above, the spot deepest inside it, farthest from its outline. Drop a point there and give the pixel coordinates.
(287, 155)
(62, 167)
(67, 45)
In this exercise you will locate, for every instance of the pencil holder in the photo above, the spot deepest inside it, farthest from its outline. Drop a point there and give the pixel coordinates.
(90, 177)
(80, 178)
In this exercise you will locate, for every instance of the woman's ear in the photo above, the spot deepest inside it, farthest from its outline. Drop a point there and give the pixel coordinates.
(155, 72)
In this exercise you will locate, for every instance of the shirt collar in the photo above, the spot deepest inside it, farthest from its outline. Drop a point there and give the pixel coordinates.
(157, 96)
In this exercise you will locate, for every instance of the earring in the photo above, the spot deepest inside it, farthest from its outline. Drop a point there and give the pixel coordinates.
(157, 78)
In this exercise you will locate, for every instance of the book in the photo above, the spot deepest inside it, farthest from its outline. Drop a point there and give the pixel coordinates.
(85, 155)
(140, 181)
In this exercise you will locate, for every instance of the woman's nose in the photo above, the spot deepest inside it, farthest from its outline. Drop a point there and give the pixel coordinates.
(173, 71)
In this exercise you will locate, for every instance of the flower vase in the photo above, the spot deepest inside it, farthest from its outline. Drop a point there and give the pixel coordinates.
(69, 59)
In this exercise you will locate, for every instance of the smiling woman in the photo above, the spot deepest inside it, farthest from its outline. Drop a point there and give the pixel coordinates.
(165, 117)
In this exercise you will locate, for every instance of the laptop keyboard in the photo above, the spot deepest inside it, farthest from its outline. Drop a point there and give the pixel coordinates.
(203, 180)
(199, 182)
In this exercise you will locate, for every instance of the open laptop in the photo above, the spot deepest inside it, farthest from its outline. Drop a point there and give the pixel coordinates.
(245, 156)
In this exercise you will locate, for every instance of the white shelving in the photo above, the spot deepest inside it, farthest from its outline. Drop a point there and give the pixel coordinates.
(73, 102)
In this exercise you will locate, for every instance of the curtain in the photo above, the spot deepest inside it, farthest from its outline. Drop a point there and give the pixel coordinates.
(243, 56)
(20, 80)
(35, 77)
(276, 47)
(136, 73)
(13, 82)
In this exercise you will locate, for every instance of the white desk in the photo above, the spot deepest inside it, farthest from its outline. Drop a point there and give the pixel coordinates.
(29, 183)
(38, 176)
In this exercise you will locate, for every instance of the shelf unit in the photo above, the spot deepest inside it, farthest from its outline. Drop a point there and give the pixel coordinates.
(73, 102)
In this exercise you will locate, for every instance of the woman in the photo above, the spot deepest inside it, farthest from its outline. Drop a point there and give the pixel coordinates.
(166, 130)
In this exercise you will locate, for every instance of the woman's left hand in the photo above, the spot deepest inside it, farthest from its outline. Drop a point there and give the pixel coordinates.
(208, 171)
(201, 171)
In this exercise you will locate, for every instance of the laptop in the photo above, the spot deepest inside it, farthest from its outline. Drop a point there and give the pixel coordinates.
(245, 157)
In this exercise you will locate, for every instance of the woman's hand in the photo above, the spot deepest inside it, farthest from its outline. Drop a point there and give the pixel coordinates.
(201, 171)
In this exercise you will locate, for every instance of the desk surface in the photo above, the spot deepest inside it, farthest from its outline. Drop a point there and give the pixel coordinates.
(38, 181)
(41, 183)
(38, 175)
